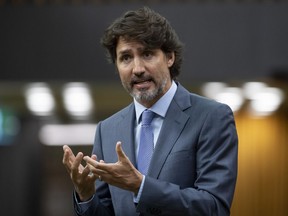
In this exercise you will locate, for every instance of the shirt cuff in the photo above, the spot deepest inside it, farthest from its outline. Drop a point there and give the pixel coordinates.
(82, 206)
(137, 198)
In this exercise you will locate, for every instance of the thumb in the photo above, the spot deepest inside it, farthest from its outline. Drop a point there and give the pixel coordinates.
(120, 152)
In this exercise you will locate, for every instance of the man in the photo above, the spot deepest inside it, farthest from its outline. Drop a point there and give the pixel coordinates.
(193, 167)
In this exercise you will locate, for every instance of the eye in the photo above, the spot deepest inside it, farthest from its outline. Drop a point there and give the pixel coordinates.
(148, 54)
(125, 58)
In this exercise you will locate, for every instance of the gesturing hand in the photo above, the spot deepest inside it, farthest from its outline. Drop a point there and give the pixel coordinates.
(121, 174)
(83, 182)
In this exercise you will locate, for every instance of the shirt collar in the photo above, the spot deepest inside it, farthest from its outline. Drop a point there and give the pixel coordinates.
(161, 106)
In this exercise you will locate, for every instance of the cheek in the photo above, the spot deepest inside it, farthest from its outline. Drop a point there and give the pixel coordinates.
(124, 75)
(162, 72)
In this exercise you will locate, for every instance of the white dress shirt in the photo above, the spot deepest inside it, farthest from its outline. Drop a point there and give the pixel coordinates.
(160, 108)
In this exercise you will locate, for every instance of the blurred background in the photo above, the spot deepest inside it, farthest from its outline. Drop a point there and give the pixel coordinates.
(55, 85)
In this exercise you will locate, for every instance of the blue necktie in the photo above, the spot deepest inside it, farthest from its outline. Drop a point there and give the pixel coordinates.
(146, 146)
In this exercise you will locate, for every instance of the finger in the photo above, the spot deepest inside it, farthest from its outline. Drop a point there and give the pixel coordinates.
(88, 174)
(96, 171)
(67, 149)
(90, 160)
(93, 157)
(120, 152)
(97, 167)
(86, 171)
(68, 157)
(76, 165)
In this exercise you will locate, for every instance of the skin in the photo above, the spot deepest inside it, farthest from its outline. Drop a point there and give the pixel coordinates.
(84, 183)
(145, 75)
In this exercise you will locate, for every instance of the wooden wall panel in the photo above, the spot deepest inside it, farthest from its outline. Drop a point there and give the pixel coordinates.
(262, 166)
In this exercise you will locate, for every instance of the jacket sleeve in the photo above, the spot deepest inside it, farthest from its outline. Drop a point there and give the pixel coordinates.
(216, 172)
(101, 203)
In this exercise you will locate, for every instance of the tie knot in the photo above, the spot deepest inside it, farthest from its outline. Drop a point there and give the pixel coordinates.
(147, 117)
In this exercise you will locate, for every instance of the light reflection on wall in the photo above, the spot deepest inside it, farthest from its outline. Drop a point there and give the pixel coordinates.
(262, 99)
(78, 100)
(63, 134)
(257, 98)
(39, 99)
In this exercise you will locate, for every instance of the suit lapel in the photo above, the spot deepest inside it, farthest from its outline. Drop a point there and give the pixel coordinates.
(125, 131)
(172, 127)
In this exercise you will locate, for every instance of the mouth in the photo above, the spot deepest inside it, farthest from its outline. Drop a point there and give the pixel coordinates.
(142, 84)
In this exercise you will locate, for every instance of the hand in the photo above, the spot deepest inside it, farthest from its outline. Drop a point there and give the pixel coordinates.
(83, 182)
(121, 174)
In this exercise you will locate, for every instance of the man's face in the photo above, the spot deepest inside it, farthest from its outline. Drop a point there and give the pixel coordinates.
(144, 73)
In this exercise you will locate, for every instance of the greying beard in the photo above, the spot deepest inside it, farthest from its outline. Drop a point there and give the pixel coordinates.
(147, 95)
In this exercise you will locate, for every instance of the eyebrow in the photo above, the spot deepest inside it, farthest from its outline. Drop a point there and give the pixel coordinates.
(122, 52)
(139, 49)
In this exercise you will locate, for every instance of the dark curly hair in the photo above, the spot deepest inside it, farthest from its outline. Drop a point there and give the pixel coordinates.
(147, 27)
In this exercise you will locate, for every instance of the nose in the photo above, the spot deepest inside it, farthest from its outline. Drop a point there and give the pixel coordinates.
(138, 67)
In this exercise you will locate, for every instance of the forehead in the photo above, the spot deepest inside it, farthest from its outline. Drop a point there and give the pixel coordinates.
(124, 44)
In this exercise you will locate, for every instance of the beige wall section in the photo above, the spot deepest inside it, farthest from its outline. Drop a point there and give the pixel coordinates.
(262, 187)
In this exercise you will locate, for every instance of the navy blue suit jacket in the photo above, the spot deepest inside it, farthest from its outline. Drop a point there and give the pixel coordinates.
(194, 166)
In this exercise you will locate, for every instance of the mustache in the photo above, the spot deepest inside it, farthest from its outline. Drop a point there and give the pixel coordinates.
(143, 78)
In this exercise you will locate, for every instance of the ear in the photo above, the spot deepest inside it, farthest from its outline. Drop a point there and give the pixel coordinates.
(170, 59)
